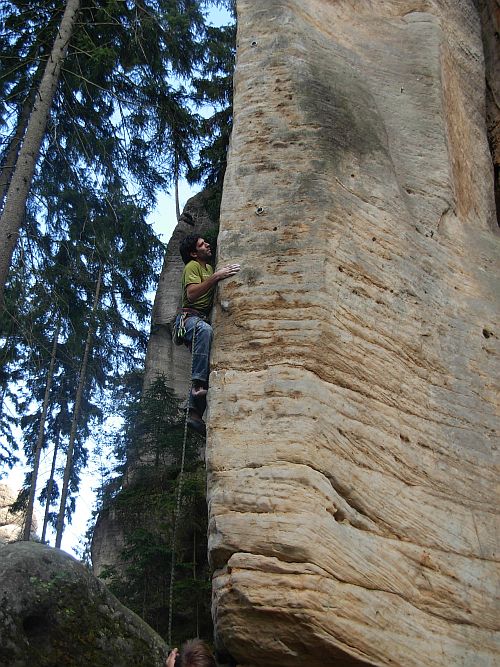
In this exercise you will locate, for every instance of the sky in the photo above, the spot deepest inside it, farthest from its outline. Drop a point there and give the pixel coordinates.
(163, 217)
(163, 220)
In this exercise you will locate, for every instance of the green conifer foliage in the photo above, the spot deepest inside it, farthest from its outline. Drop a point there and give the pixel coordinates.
(143, 497)
(121, 126)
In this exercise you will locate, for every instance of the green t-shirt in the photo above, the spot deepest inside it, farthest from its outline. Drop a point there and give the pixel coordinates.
(194, 274)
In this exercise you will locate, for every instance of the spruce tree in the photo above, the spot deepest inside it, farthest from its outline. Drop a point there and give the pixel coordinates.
(14, 204)
(121, 126)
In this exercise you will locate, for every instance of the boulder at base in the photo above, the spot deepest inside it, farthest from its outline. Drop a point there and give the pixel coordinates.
(53, 611)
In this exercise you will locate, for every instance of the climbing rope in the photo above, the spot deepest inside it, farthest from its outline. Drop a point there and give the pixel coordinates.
(178, 501)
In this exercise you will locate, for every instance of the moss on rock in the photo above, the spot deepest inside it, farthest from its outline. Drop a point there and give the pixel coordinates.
(53, 611)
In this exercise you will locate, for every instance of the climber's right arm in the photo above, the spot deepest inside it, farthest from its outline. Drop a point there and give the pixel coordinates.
(195, 290)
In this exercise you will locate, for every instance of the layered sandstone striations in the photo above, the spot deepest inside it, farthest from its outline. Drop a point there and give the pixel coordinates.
(353, 407)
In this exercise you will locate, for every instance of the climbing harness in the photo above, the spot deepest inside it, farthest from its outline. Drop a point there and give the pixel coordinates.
(179, 327)
(179, 493)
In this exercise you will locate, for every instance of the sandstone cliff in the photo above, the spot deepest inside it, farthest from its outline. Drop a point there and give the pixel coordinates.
(353, 408)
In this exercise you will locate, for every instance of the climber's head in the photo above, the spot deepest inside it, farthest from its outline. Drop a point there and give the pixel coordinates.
(195, 653)
(194, 246)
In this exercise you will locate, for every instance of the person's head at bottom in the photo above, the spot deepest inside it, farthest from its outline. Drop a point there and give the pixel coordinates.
(193, 653)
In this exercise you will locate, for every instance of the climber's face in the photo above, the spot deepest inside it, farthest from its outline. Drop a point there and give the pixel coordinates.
(203, 251)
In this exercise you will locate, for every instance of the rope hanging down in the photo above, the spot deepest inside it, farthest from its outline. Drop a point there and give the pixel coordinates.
(178, 502)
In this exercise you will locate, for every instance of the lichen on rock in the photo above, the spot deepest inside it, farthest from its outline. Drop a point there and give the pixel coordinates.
(53, 611)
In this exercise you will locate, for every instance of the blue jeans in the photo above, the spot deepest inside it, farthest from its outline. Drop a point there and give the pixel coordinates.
(200, 364)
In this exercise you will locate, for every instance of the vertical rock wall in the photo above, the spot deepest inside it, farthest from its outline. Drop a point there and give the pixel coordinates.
(353, 408)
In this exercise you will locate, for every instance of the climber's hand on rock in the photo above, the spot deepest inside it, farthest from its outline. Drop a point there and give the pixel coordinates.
(227, 271)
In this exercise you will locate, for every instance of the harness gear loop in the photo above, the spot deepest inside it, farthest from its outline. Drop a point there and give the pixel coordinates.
(179, 326)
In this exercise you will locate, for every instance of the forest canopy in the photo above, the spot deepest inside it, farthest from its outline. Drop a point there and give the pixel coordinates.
(103, 105)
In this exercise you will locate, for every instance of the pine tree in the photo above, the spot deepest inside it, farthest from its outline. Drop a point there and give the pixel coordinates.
(119, 128)
(151, 442)
(14, 205)
(40, 438)
(115, 114)
(117, 244)
(76, 412)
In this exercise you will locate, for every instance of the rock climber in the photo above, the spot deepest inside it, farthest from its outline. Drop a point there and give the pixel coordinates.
(198, 287)
(194, 653)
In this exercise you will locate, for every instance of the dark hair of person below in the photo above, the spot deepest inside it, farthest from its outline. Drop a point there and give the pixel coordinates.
(187, 246)
(196, 653)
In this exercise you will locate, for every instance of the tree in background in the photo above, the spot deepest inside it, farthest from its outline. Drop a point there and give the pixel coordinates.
(97, 282)
(117, 131)
(21, 173)
(144, 502)
(214, 87)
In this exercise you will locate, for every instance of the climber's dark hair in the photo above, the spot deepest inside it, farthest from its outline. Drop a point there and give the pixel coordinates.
(187, 246)
(195, 653)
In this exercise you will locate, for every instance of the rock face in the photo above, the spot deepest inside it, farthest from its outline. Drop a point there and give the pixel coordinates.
(108, 541)
(353, 403)
(54, 612)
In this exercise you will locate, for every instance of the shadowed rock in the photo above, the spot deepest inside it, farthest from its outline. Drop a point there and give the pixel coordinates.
(54, 612)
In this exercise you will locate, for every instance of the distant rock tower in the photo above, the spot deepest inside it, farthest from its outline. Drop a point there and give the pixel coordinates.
(162, 358)
(11, 523)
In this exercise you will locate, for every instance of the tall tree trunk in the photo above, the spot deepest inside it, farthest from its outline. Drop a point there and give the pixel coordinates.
(74, 422)
(41, 431)
(177, 204)
(50, 485)
(176, 187)
(12, 151)
(15, 200)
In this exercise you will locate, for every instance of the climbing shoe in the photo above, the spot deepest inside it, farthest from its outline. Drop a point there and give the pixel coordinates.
(197, 425)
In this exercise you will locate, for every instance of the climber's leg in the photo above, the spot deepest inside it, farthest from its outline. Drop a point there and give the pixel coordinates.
(201, 350)
(200, 362)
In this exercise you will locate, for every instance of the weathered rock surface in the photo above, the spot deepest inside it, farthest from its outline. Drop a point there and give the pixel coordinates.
(54, 612)
(353, 408)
